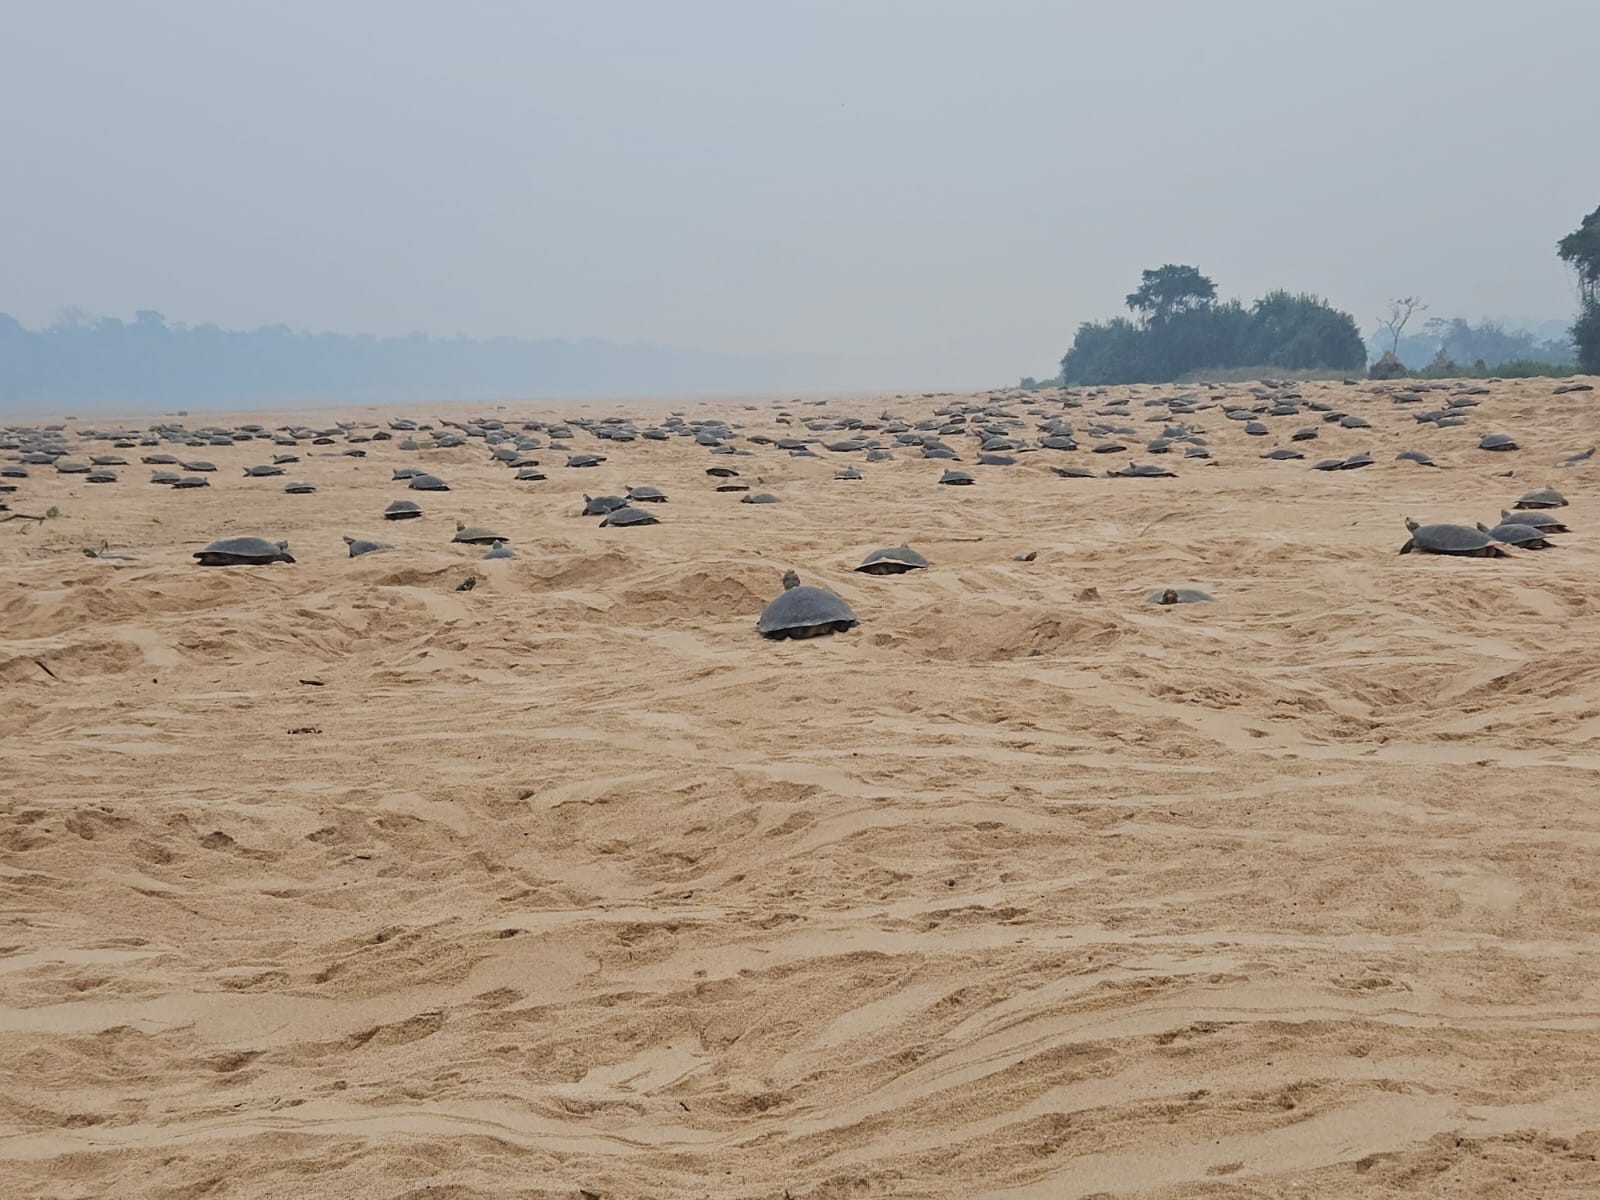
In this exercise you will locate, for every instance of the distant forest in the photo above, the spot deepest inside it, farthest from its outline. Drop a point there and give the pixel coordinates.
(1180, 327)
(1489, 342)
(86, 361)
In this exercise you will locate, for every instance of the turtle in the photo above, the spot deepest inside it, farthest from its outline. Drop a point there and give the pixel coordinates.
(299, 489)
(722, 472)
(1497, 441)
(283, 460)
(895, 560)
(243, 551)
(166, 477)
(1356, 461)
(1256, 428)
(66, 466)
(599, 506)
(759, 498)
(1108, 448)
(191, 481)
(1538, 518)
(1142, 471)
(476, 535)
(107, 460)
(201, 467)
(428, 483)
(585, 460)
(800, 611)
(1328, 464)
(500, 550)
(159, 460)
(1282, 454)
(1309, 434)
(1573, 460)
(261, 472)
(407, 473)
(1196, 452)
(1353, 421)
(1073, 472)
(996, 460)
(1513, 533)
(100, 477)
(878, 454)
(360, 546)
(956, 479)
(1541, 498)
(530, 475)
(402, 510)
(647, 495)
(1450, 539)
(629, 516)
(1416, 456)
(1180, 596)
(847, 473)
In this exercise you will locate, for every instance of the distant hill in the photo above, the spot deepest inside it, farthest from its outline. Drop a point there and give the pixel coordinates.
(88, 362)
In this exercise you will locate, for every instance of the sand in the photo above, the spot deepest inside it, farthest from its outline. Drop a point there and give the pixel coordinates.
(329, 880)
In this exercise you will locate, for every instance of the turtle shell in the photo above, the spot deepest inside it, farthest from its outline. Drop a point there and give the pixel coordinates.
(428, 483)
(802, 612)
(241, 551)
(1541, 498)
(1449, 539)
(629, 516)
(402, 510)
(477, 535)
(895, 560)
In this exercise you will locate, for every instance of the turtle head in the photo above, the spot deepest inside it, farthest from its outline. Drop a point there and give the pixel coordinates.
(348, 541)
(790, 580)
(1482, 528)
(1170, 596)
(1412, 525)
(459, 526)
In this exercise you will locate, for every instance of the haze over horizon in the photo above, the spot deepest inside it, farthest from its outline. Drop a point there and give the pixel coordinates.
(937, 192)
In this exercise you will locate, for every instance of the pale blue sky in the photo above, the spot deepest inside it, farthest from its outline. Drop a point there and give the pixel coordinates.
(942, 190)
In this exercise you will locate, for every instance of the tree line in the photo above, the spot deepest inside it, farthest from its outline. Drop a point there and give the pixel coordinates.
(1179, 327)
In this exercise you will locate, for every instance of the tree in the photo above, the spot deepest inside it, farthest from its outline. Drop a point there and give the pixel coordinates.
(1581, 250)
(1168, 291)
(1183, 329)
(1400, 311)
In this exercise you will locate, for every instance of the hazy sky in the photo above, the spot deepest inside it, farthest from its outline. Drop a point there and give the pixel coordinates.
(946, 188)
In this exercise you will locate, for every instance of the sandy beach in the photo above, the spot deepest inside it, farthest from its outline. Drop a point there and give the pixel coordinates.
(332, 880)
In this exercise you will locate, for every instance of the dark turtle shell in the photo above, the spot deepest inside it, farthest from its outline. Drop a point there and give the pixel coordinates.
(1541, 498)
(629, 516)
(243, 551)
(402, 510)
(1497, 441)
(360, 546)
(1450, 539)
(428, 483)
(895, 560)
(1538, 518)
(802, 612)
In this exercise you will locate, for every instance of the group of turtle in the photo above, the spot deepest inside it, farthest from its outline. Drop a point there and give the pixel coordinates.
(1525, 526)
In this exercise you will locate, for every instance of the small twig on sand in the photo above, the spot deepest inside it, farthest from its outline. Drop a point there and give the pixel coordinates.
(47, 670)
(18, 516)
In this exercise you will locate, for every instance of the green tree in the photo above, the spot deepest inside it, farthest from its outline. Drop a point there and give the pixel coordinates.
(1170, 290)
(1581, 250)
